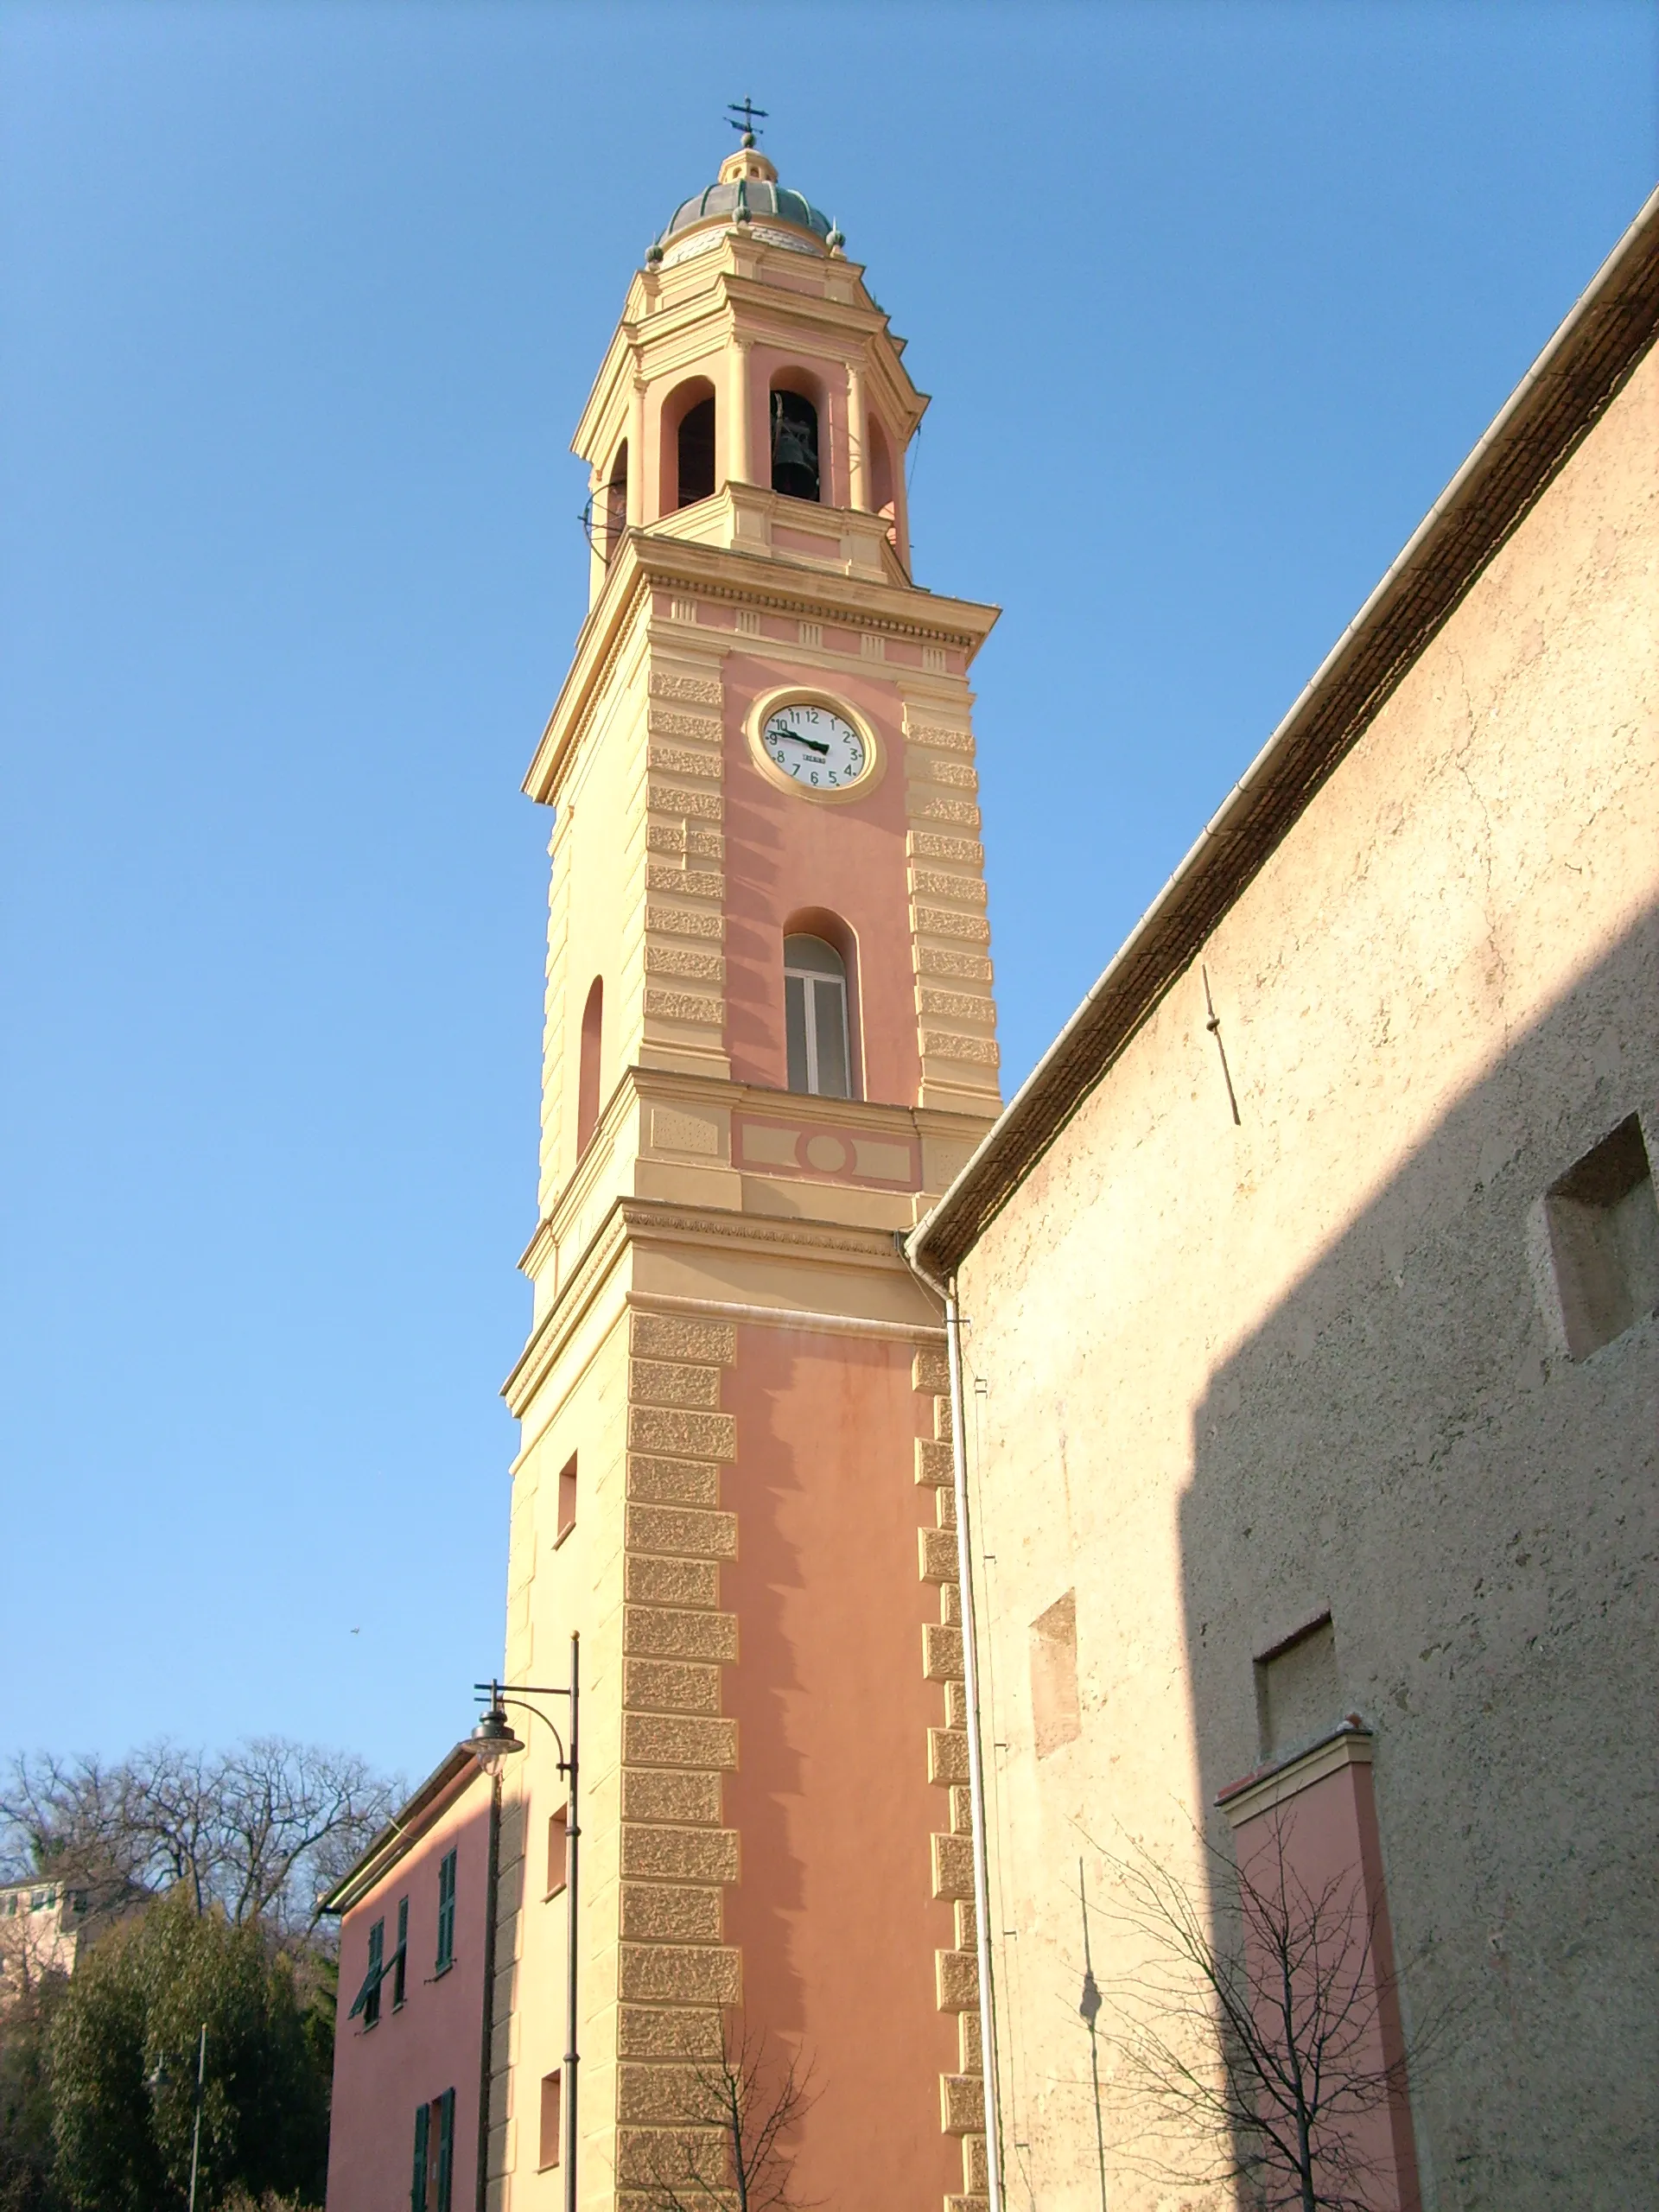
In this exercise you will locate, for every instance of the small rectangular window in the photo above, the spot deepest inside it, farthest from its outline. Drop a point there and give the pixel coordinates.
(558, 1851)
(399, 1956)
(446, 1913)
(377, 1968)
(1604, 1241)
(552, 2117)
(567, 1499)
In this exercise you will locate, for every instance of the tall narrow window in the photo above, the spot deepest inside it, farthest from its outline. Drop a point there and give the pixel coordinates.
(446, 1913)
(814, 1018)
(371, 1999)
(432, 2185)
(552, 2117)
(794, 445)
(696, 453)
(400, 1957)
(567, 1499)
(593, 1025)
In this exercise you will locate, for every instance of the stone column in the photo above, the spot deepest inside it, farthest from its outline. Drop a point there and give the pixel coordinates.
(858, 432)
(737, 413)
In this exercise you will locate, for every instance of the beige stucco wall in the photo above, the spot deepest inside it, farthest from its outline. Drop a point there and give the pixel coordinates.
(1234, 1375)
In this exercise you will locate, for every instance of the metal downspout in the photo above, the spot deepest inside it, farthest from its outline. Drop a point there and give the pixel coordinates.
(947, 1291)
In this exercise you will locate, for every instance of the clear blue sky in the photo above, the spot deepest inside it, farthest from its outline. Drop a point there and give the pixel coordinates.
(300, 304)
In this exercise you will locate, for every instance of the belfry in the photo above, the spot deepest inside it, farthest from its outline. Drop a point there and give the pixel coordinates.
(769, 1046)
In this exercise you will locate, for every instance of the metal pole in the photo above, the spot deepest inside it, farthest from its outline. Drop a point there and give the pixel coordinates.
(573, 1831)
(196, 2140)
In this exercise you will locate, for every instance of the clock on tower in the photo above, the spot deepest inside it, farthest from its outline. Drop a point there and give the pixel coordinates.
(769, 1045)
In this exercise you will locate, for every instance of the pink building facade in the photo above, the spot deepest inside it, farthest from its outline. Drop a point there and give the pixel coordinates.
(409, 2047)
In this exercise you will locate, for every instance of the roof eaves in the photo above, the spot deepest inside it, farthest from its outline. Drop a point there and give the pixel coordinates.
(404, 1828)
(1550, 412)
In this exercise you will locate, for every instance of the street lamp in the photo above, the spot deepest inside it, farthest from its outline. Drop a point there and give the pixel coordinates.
(160, 2080)
(493, 1743)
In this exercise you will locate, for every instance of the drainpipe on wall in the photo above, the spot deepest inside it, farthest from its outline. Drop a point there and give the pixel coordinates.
(947, 1291)
(486, 2032)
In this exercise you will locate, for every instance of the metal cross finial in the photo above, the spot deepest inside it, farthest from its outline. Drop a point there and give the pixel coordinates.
(743, 115)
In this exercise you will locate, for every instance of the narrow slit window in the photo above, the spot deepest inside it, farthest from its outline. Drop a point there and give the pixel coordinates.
(552, 2119)
(558, 1851)
(567, 1500)
(814, 1018)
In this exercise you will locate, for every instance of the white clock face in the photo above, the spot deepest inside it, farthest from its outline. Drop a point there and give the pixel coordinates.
(815, 745)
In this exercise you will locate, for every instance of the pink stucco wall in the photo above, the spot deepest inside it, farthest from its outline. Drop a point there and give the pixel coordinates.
(784, 853)
(1328, 1835)
(835, 1909)
(430, 2044)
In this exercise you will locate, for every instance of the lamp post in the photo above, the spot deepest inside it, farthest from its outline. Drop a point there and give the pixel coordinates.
(491, 1744)
(161, 2079)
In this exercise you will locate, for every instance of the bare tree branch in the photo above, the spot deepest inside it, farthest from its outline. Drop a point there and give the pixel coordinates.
(1250, 2029)
(257, 1830)
(728, 2147)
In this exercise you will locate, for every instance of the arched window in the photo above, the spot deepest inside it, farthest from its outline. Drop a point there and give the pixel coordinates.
(814, 1018)
(616, 502)
(696, 453)
(794, 445)
(592, 1023)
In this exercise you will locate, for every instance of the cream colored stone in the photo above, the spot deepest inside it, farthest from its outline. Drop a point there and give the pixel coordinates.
(663, 1382)
(677, 1798)
(657, 1632)
(652, 1854)
(669, 1686)
(672, 1336)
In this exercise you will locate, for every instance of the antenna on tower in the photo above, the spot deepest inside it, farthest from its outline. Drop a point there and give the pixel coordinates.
(743, 115)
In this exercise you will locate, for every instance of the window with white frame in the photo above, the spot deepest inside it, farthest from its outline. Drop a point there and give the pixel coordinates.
(814, 1018)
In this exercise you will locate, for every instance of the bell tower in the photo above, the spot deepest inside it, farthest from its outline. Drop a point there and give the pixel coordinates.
(769, 1045)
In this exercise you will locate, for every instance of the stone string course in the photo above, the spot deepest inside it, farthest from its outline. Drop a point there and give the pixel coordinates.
(961, 2101)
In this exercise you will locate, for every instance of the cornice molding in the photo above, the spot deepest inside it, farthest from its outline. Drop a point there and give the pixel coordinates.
(648, 563)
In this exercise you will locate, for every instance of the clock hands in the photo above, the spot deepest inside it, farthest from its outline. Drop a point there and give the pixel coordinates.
(811, 744)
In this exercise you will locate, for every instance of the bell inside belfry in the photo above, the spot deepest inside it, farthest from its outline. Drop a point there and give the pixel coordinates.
(794, 446)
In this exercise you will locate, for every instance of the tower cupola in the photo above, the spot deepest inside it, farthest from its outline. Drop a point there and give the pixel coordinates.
(745, 191)
(752, 397)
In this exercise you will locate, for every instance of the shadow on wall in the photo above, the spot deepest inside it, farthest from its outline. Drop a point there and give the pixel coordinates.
(1408, 1461)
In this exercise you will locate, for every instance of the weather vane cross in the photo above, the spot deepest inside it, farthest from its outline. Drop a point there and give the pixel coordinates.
(743, 115)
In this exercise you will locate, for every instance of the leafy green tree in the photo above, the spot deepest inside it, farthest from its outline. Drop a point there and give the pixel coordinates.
(124, 2050)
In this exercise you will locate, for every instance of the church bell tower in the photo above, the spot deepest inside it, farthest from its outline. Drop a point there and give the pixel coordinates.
(769, 1045)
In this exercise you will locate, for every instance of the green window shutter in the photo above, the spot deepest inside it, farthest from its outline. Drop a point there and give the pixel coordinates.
(447, 1912)
(370, 1998)
(398, 1956)
(417, 2187)
(446, 2146)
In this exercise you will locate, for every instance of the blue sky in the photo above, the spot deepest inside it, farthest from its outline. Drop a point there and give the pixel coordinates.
(300, 304)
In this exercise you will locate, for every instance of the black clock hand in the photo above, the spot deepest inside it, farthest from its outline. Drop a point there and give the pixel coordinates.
(811, 744)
